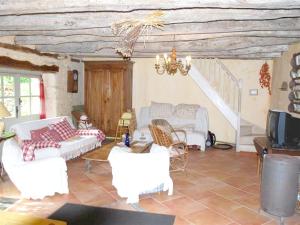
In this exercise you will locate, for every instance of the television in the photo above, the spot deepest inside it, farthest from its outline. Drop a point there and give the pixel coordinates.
(283, 130)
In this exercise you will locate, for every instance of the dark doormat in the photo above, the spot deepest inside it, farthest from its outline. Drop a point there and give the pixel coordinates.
(7, 202)
(75, 214)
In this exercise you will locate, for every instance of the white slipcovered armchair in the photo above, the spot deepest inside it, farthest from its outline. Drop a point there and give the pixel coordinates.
(139, 173)
(38, 178)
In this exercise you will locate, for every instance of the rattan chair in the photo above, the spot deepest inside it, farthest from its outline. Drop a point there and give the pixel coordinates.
(177, 134)
(178, 149)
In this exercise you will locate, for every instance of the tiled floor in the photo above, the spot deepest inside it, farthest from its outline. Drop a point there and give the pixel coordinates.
(220, 187)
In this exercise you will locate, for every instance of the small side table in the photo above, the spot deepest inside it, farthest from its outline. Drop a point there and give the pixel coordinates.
(3, 137)
(262, 143)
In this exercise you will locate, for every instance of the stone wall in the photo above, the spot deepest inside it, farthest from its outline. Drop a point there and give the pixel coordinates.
(58, 101)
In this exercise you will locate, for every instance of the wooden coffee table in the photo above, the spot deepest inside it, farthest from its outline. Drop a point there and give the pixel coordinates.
(101, 154)
(13, 218)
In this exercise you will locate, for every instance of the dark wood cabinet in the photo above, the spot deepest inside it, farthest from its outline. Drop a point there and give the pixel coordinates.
(108, 93)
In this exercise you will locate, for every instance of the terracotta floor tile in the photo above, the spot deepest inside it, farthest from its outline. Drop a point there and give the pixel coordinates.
(183, 205)
(163, 196)
(249, 201)
(207, 216)
(230, 192)
(182, 184)
(180, 221)
(240, 181)
(220, 204)
(246, 216)
(293, 220)
(99, 196)
(151, 205)
(216, 174)
(196, 192)
(253, 188)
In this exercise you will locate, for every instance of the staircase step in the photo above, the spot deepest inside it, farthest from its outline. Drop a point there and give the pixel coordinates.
(258, 130)
(247, 148)
(248, 139)
(245, 130)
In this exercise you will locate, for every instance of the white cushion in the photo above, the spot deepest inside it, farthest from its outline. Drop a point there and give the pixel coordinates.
(161, 110)
(186, 111)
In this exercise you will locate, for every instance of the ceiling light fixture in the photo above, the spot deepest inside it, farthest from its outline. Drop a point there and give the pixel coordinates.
(170, 64)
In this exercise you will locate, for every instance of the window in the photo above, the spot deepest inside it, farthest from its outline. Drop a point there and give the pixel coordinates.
(29, 96)
(20, 94)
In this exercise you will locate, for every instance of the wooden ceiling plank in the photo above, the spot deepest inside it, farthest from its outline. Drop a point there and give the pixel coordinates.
(106, 19)
(51, 6)
(247, 56)
(224, 43)
(43, 40)
(286, 24)
(246, 51)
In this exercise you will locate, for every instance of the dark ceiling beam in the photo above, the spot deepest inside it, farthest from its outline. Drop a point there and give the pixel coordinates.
(26, 65)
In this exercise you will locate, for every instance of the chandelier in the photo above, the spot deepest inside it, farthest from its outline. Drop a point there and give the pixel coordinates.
(170, 64)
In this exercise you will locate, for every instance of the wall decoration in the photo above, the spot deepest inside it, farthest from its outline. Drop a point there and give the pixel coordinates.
(265, 77)
(130, 30)
(294, 95)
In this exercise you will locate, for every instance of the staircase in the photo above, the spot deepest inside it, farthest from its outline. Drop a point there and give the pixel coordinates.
(224, 91)
(247, 132)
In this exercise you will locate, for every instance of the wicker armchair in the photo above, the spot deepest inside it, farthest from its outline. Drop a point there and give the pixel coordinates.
(178, 149)
(178, 134)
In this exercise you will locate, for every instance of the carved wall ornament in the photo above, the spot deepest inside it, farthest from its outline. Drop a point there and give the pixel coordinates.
(131, 29)
(265, 77)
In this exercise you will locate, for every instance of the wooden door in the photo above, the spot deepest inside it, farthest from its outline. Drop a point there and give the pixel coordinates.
(106, 94)
(93, 95)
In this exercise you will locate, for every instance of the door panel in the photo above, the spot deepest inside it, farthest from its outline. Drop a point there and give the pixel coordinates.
(104, 94)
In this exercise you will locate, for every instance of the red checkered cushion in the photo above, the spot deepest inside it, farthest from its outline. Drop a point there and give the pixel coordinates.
(64, 129)
(51, 135)
(36, 134)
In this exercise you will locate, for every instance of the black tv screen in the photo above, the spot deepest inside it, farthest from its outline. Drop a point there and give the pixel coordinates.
(283, 130)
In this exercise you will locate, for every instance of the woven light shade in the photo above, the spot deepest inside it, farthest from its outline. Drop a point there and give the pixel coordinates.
(3, 111)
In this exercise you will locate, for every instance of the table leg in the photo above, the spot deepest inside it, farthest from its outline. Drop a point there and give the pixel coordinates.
(88, 165)
(258, 164)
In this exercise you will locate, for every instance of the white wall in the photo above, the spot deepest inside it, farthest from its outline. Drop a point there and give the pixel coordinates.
(149, 86)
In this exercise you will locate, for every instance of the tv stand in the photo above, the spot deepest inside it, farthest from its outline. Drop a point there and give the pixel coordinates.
(261, 143)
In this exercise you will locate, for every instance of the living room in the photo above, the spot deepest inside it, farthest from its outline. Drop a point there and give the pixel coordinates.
(218, 187)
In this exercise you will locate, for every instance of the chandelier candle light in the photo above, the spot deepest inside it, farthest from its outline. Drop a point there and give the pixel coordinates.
(171, 65)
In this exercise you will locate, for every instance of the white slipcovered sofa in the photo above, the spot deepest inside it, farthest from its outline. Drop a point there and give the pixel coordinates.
(47, 174)
(189, 117)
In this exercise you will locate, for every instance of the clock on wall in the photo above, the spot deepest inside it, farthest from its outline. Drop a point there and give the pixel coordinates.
(72, 86)
(75, 74)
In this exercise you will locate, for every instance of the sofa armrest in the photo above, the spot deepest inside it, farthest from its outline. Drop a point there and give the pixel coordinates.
(202, 121)
(40, 178)
(143, 119)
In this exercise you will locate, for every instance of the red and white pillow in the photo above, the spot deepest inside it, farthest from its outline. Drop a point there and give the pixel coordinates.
(64, 129)
(51, 135)
(36, 134)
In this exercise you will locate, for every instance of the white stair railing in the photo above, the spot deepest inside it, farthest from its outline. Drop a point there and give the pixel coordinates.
(222, 87)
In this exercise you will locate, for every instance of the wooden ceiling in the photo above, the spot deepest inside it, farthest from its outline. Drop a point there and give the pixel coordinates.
(246, 29)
